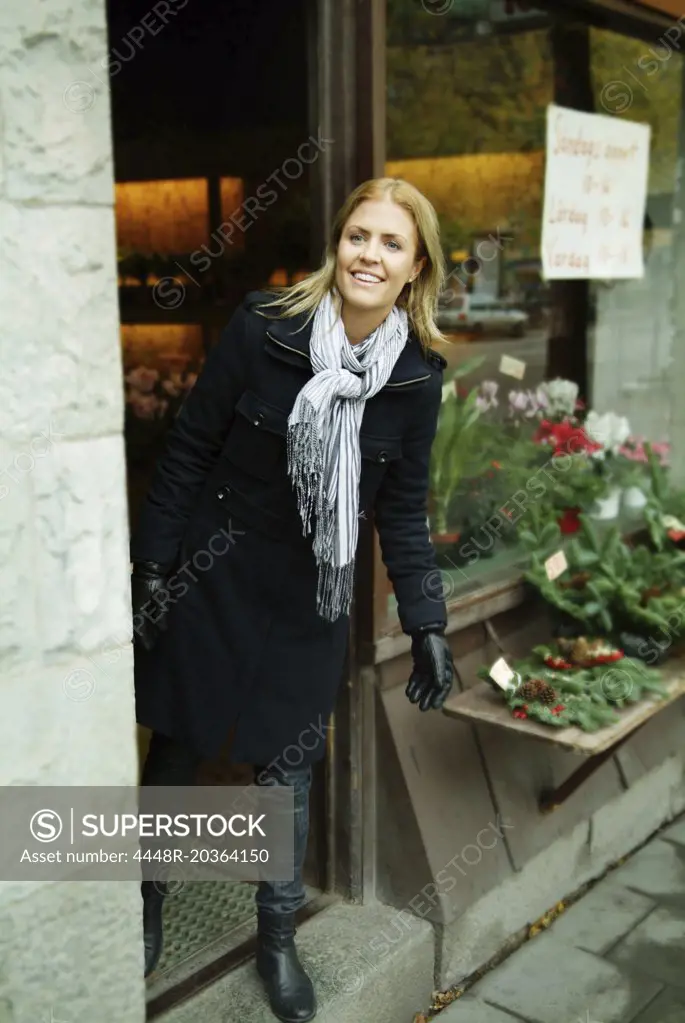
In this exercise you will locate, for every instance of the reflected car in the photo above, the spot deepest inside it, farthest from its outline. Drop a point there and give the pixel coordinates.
(479, 315)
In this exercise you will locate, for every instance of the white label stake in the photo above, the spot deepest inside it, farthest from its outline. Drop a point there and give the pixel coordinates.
(512, 367)
(555, 565)
(502, 674)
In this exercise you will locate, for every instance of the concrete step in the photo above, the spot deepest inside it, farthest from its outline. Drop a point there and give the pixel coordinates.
(369, 963)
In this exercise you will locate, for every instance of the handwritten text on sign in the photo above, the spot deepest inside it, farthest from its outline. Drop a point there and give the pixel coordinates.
(595, 194)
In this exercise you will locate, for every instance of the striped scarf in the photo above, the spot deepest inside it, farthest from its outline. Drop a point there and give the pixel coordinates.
(324, 459)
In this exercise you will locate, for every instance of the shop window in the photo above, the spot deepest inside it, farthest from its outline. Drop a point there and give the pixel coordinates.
(468, 92)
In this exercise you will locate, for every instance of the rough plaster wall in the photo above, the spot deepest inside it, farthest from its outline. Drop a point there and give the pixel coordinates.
(70, 951)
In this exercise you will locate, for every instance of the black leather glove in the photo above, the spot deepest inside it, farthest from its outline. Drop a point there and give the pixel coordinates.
(149, 600)
(431, 680)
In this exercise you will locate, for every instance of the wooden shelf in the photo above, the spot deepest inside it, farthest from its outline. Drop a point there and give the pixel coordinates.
(481, 705)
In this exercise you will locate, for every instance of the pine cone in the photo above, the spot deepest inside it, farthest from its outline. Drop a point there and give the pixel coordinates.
(536, 689)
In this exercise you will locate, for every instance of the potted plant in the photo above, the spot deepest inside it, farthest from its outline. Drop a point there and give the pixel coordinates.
(152, 401)
(551, 453)
(636, 475)
(612, 588)
(555, 472)
(610, 432)
(454, 453)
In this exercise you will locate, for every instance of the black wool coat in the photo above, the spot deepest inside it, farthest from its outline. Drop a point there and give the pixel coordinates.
(245, 650)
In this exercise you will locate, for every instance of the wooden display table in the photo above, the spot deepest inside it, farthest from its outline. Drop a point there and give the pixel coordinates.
(482, 705)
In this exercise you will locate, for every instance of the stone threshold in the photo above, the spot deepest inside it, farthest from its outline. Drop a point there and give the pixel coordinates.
(367, 963)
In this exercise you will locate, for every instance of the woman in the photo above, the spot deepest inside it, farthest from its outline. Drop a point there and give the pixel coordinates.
(314, 413)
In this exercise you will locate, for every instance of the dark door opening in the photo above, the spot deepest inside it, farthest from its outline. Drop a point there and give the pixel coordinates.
(210, 106)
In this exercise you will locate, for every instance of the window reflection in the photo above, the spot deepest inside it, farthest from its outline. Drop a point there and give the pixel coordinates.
(467, 100)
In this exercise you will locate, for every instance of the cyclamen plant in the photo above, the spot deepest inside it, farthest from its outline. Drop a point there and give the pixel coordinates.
(150, 396)
(610, 431)
(560, 398)
(152, 404)
(526, 405)
(634, 450)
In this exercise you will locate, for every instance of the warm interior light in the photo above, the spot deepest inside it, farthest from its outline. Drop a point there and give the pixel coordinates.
(279, 278)
(232, 194)
(162, 216)
(167, 347)
(172, 217)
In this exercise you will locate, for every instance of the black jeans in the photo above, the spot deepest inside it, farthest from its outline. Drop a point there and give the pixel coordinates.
(170, 762)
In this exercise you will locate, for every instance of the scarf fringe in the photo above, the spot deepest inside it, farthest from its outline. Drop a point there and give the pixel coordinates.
(305, 456)
(323, 443)
(335, 590)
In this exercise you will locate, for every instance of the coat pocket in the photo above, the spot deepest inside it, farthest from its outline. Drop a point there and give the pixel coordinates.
(379, 450)
(256, 442)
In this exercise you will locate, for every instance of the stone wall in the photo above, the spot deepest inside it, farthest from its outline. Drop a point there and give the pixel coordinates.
(69, 951)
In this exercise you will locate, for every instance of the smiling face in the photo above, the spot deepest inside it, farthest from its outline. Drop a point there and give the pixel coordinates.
(375, 259)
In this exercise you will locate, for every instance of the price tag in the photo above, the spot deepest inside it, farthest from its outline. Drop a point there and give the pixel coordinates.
(555, 565)
(503, 675)
(512, 367)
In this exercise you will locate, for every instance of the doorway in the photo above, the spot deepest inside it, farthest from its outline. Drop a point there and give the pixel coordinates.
(210, 109)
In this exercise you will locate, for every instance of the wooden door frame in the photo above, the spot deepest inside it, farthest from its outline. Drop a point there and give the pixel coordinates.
(347, 107)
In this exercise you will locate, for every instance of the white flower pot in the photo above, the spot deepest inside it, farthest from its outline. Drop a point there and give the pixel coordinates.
(634, 498)
(607, 507)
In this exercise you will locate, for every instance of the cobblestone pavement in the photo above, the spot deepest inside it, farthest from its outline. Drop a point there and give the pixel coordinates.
(617, 955)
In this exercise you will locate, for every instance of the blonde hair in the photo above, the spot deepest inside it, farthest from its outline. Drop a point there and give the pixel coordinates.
(420, 298)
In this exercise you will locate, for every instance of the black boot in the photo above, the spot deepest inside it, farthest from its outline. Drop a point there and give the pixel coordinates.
(153, 937)
(290, 991)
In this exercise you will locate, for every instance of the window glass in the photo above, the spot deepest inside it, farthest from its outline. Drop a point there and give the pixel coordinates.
(528, 359)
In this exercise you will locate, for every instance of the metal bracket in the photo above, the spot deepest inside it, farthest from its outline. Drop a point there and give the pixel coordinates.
(551, 799)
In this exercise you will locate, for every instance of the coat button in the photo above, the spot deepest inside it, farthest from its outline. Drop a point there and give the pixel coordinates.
(258, 419)
(382, 456)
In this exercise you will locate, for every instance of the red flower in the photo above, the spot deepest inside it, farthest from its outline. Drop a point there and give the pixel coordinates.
(558, 709)
(676, 535)
(569, 521)
(617, 655)
(496, 465)
(565, 437)
(557, 662)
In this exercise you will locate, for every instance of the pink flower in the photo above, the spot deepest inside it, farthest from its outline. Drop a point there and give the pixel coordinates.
(487, 396)
(172, 388)
(142, 379)
(144, 406)
(634, 450)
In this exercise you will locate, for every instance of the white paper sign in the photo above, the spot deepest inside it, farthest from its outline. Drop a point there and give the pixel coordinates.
(555, 565)
(595, 195)
(502, 674)
(512, 367)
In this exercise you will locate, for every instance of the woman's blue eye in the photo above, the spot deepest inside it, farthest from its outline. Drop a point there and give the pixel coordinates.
(360, 237)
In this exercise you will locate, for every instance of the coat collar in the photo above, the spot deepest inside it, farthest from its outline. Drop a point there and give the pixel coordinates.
(292, 333)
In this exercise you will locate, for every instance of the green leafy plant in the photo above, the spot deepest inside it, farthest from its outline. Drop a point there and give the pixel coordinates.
(586, 697)
(612, 586)
(664, 512)
(460, 448)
